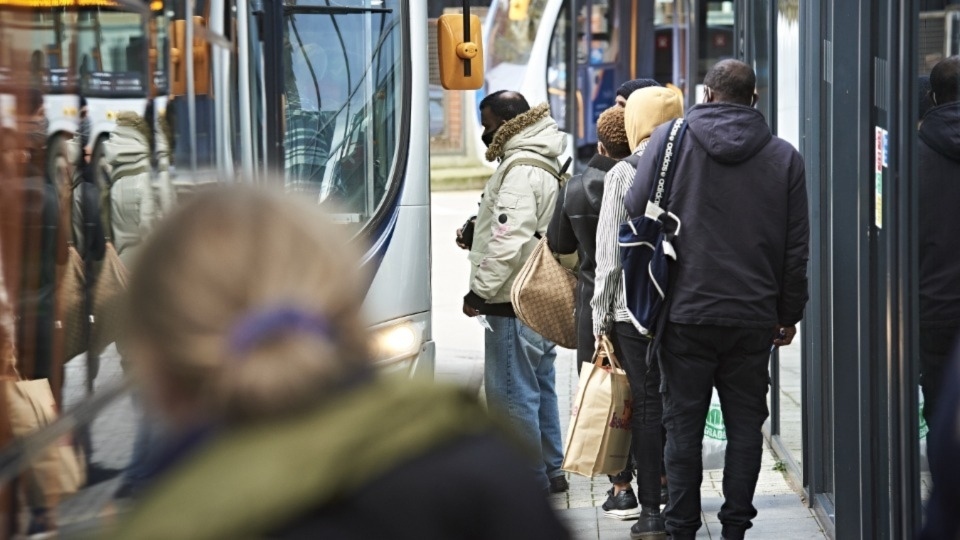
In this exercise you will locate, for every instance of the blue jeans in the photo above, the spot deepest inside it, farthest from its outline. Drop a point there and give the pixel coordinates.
(520, 381)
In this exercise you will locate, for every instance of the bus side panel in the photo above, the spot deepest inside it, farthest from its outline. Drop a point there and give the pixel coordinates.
(401, 286)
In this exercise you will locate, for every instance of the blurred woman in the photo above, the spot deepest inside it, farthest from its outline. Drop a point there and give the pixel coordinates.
(246, 336)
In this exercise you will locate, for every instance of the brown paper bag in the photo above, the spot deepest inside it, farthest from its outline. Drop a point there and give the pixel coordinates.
(598, 437)
(57, 471)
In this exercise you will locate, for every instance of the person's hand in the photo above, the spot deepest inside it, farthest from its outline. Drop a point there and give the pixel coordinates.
(783, 335)
(469, 310)
(460, 243)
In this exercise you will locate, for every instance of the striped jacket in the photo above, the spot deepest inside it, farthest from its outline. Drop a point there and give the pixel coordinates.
(609, 303)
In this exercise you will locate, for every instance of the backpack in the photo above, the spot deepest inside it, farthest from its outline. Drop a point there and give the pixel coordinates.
(646, 246)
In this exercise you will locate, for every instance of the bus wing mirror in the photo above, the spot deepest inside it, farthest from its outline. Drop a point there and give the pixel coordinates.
(460, 60)
(178, 61)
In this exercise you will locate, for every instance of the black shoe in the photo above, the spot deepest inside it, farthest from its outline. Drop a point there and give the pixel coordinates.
(559, 484)
(98, 473)
(622, 506)
(649, 526)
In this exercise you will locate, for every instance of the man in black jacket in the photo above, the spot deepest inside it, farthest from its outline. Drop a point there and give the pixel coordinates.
(939, 243)
(740, 286)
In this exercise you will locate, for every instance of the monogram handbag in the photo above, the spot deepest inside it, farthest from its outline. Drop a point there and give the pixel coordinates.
(108, 299)
(544, 297)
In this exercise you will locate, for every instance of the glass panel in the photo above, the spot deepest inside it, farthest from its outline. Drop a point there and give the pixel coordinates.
(788, 128)
(341, 93)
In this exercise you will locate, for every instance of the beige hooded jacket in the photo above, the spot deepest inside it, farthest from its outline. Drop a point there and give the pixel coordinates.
(516, 207)
(646, 109)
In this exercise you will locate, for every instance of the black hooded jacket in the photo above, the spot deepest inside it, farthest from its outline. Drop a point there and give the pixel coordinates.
(740, 194)
(939, 246)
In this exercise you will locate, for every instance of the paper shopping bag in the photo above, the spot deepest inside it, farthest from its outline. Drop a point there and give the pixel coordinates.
(56, 472)
(598, 438)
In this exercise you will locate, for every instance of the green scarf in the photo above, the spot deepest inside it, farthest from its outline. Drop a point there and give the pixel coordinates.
(256, 479)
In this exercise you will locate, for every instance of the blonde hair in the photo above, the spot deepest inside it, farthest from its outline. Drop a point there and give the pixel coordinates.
(231, 253)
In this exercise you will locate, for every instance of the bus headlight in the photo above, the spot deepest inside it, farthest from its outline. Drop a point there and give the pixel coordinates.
(397, 342)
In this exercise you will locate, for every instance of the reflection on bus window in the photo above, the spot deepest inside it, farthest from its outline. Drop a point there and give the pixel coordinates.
(510, 44)
(341, 101)
(112, 49)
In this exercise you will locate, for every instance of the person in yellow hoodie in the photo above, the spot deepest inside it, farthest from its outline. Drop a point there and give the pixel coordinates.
(646, 109)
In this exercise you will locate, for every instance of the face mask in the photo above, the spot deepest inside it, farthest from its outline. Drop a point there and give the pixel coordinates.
(487, 138)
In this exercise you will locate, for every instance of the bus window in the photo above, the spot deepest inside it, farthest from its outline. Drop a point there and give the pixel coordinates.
(341, 97)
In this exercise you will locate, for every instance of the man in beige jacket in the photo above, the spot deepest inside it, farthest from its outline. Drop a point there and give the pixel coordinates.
(518, 202)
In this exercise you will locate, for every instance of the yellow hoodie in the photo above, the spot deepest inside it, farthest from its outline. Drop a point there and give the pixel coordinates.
(646, 109)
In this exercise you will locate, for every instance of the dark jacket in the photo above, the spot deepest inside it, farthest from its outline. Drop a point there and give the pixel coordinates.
(943, 445)
(741, 196)
(939, 246)
(377, 458)
(574, 228)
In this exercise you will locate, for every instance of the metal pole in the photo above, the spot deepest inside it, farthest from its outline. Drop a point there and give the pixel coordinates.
(466, 35)
(243, 74)
(191, 86)
(273, 84)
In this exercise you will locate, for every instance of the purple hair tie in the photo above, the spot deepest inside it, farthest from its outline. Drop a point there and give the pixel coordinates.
(259, 326)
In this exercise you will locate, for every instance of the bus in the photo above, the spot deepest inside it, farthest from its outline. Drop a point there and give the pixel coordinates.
(100, 49)
(533, 48)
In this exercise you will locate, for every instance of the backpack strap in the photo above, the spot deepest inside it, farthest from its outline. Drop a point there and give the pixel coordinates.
(532, 163)
(660, 190)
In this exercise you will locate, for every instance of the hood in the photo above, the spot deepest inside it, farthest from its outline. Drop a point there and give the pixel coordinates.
(648, 108)
(533, 131)
(940, 129)
(729, 133)
(128, 144)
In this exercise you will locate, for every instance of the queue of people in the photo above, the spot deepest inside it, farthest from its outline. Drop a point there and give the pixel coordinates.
(739, 289)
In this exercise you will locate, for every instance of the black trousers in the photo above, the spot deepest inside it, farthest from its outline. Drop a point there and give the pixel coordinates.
(646, 410)
(694, 359)
(936, 345)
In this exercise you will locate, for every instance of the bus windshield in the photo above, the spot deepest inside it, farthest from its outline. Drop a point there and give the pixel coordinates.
(112, 52)
(342, 81)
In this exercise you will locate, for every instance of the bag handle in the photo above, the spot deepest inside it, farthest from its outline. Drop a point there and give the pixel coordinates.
(660, 190)
(605, 350)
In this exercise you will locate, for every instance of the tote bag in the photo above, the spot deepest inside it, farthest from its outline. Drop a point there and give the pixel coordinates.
(598, 438)
(56, 472)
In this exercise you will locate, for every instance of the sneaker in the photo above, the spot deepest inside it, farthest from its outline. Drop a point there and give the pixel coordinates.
(649, 526)
(559, 484)
(622, 506)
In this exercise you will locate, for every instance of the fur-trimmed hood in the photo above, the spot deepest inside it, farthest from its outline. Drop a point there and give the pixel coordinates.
(533, 131)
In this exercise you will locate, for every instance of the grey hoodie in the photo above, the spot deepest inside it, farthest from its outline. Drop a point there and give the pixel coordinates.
(741, 196)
